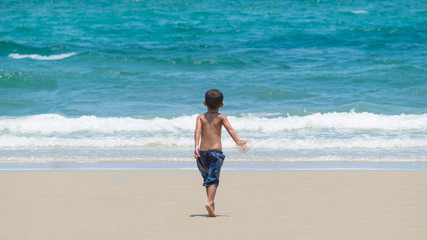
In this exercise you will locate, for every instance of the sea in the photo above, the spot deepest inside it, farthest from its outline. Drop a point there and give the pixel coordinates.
(119, 84)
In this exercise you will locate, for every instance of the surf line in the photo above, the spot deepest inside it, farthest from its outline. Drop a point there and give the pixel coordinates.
(40, 57)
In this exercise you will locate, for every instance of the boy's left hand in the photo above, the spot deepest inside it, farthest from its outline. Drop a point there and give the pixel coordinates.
(243, 146)
(242, 142)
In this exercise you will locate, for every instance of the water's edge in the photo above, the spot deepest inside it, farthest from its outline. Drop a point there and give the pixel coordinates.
(231, 166)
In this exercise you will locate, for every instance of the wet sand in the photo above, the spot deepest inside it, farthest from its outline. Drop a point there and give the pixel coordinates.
(170, 204)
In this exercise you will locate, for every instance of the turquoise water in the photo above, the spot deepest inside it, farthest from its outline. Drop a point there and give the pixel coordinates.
(304, 80)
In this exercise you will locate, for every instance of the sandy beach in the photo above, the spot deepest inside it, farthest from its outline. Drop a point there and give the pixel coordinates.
(250, 205)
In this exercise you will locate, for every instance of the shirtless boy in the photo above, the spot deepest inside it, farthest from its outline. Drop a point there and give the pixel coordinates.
(209, 153)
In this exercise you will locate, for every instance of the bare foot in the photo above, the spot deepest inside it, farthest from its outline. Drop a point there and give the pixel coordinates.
(210, 209)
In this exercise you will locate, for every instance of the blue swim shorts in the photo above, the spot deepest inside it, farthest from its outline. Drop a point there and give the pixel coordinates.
(209, 164)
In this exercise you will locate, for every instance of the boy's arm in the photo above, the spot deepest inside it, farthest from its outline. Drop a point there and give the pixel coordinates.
(232, 132)
(197, 134)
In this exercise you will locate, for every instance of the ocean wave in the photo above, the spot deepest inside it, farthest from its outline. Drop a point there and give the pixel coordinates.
(359, 12)
(54, 123)
(316, 131)
(350, 120)
(40, 57)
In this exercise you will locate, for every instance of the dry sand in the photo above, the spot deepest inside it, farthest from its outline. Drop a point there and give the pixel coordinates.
(153, 204)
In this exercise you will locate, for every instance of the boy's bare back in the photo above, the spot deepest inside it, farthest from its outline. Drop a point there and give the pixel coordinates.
(211, 124)
(208, 128)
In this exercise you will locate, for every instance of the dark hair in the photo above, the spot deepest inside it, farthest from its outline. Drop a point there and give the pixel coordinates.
(213, 98)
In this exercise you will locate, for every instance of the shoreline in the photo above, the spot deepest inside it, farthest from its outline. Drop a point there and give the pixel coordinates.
(163, 204)
(228, 166)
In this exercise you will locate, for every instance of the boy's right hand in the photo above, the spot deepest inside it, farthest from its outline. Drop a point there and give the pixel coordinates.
(196, 153)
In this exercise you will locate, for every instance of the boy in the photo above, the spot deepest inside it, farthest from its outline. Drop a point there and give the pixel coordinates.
(209, 154)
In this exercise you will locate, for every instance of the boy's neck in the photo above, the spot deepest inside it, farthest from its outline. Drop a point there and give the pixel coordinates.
(213, 110)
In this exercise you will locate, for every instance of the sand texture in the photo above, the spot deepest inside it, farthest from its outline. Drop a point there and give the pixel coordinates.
(170, 204)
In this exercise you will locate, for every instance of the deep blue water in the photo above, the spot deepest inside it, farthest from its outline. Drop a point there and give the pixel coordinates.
(154, 58)
(325, 76)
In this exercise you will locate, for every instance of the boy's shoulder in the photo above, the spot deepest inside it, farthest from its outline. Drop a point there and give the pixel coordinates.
(201, 116)
(211, 115)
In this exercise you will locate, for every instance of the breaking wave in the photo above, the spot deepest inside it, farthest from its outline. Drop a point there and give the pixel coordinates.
(316, 131)
(40, 57)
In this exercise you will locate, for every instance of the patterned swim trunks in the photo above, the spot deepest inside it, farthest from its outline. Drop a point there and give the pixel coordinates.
(209, 164)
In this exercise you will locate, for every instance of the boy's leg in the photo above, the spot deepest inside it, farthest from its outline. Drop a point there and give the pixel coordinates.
(210, 205)
(211, 192)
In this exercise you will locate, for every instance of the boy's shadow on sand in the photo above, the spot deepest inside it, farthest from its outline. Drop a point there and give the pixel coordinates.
(206, 215)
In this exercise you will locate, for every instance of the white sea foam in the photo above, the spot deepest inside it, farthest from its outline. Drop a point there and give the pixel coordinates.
(54, 124)
(359, 12)
(186, 142)
(316, 131)
(40, 57)
(351, 120)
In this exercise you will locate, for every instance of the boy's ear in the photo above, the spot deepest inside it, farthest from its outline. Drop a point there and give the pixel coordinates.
(222, 105)
(204, 102)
